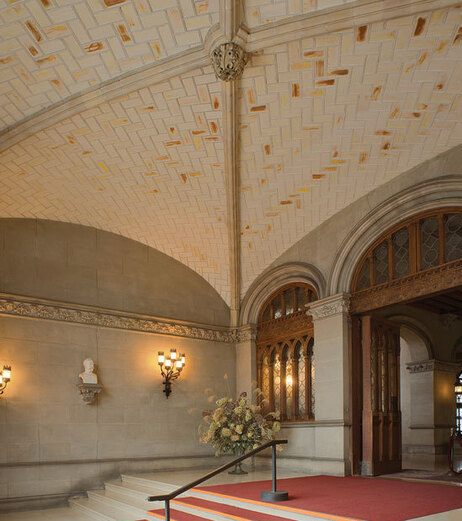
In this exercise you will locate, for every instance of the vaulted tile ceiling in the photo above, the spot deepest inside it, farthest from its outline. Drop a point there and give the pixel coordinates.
(112, 116)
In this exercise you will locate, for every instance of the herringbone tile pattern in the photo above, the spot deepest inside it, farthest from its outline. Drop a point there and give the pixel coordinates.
(52, 49)
(148, 165)
(324, 121)
(260, 12)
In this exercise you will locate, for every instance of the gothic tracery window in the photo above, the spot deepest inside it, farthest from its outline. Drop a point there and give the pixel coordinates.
(285, 353)
(418, 244)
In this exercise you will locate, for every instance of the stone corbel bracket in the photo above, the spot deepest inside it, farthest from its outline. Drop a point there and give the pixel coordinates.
(89, 392)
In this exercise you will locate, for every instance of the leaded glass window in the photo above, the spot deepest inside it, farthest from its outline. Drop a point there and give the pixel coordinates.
(423, 242)
(429, 243)
(381, 263)
(400, 244)
(285, 353)
(364, 280)
(453, 237)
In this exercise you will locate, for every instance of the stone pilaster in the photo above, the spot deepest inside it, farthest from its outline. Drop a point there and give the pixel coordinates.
(331, 334)
(246, 359)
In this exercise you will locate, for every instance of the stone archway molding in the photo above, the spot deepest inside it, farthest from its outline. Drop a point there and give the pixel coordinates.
(416, 327)
(272, 280)
(429, 195)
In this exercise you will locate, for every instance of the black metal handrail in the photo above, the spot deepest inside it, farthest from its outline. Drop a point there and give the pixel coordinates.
(168, 497)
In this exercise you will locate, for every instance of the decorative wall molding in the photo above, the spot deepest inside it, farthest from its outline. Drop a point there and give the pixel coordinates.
(101, 461)
(91, 316)
(20, 306)
(426, 366)
(329, 306)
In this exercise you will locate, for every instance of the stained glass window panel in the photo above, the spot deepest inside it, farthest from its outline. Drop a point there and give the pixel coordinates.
(453, 237)
(429, 243)
(400, 242)
(381, 263)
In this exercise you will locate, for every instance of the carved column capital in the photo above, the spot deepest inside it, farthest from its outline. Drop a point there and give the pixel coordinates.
(330, 306)
(245, 333)
(228, 60)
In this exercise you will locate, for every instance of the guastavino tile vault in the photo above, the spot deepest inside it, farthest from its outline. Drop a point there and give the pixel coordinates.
(273, 188)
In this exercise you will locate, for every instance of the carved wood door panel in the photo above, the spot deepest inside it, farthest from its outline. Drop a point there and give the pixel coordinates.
(381, 419)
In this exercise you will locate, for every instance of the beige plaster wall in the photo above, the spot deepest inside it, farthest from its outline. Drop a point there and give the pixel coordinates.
(52, 443)
(79, 264)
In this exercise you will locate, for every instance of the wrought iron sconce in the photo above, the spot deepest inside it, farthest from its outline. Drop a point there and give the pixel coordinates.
(170, 368)
(5, 377)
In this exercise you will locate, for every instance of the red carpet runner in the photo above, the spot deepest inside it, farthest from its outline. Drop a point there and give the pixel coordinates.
(358, 498)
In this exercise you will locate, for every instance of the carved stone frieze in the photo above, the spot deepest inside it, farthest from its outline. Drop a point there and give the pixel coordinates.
(228, 60)
(426, 366)
(10, 305)
(414, 286)
(246, 333)
(329, 306)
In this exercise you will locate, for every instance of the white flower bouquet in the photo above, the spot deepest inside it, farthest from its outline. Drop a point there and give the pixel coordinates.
(236, 426)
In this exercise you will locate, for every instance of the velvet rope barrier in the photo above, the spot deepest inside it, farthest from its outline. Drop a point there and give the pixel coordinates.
(454, 436)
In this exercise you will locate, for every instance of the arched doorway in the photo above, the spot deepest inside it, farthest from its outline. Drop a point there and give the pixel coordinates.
(413, 269)
(285, 352)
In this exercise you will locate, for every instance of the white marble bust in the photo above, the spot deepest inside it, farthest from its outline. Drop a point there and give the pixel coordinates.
(88, 376)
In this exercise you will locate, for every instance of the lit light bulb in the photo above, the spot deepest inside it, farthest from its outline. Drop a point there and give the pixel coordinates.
(289, 380)
(6, 372)
(168, 363)
(173, 354)
(160, 358)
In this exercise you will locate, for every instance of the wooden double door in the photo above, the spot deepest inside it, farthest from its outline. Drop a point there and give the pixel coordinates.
(378, 415)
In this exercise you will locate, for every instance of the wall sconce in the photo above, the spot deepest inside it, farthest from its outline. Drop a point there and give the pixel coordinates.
(170, 368)
(5, 377)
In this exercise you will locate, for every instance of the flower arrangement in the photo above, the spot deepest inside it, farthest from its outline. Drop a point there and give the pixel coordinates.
(236, 426)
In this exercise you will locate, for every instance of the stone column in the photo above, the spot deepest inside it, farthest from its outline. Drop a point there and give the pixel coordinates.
(246, 360)
(331, 335)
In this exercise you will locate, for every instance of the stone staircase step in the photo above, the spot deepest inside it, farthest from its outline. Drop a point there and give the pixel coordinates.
(176, 515)
(244, 512)
(102, 512)
(148, 481)
(130, 489)
(270, 509)
(134, 506)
